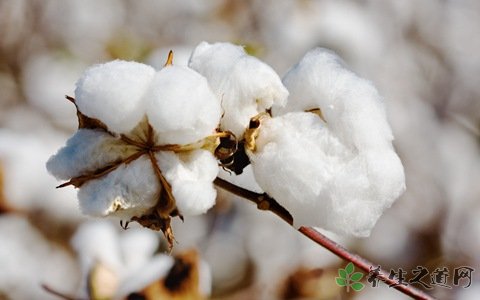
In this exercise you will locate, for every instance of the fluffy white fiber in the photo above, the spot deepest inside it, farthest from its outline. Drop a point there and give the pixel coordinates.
(131, 190)
(351, 105)
(113, 93)
(340, 175)
(245, 85)
(86, 151)
(191, 179)
(181, 106)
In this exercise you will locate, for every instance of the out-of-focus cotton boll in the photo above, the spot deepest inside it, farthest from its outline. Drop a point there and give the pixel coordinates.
(290, 28)
(329, 175)
(86, 151)
(113, 93)
(227, 259)
(383, 247)
(181, 106)
(85, 27)
(245, 85)
(22, 156)
(147, 273)
(130, 190)
(28, 260)
(128, 255)
(46, 79)
(460, 152)
(191, 176)
(470, 293)
(97, 241)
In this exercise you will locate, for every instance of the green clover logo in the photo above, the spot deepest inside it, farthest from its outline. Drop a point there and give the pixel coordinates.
(350, 279)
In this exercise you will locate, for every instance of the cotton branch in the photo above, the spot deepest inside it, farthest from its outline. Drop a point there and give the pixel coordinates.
(265, 202)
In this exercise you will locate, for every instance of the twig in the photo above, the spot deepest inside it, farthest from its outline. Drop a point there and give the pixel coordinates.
(56, 293)
(265, 202)
(361, 262)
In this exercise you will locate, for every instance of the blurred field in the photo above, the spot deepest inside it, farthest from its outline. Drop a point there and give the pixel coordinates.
(423, 56)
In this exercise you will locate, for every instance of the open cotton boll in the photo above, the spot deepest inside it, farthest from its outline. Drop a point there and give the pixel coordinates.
(319, 180)
(155, 268)
(113, 93)
(214, 61)
(130, 190)
(245, 85)
(138, 246)
(181, 106)
(351, 106)
(191, 177)
(97, 241)
(86, 151)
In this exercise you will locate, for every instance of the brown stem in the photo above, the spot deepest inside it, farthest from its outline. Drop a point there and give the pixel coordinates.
(265, 202)
(361, 262)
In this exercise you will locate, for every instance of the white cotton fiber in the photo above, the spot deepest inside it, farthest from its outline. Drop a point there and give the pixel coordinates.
(322, 182)
(181, 106)
(214, 61)
(191, 176)
(113, 93)
(245, 85)
(97, 241)
(351, 106)
(130, 190)
(86, 151)
(28, 260)
(154, 269)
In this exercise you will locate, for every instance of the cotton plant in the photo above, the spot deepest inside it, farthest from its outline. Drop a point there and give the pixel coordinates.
(150, 143)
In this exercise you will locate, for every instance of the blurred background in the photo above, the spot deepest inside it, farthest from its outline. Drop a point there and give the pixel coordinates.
(423, 56)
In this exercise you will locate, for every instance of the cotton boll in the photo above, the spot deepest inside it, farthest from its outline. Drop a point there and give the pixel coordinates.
(181, 106)
(227, 259)
(83, 27)
(86, 151)
(291, 167)
(350, 105)
(131, 190)
(191, 176)
(28, 260)
(320, 181)
(27, 185)
(97, 241)
(245, 85)
(46, 79)
(138, 246)
(154, 269)
(113, 93)
(214, 61)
